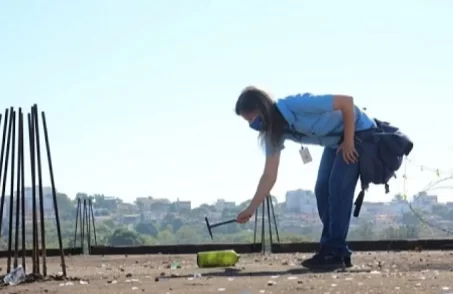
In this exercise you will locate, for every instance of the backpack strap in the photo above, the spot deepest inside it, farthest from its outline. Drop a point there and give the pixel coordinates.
(359, 200)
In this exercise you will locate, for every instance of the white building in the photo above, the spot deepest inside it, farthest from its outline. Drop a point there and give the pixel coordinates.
(221, 204)
(424, 201)
(301, 201)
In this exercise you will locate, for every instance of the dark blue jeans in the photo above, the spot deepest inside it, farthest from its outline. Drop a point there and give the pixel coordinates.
(335, 188)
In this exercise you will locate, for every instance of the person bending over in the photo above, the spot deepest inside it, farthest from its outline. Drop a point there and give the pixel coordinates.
(330, 121)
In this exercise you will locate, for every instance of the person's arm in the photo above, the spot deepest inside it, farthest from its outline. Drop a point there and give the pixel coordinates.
(346, 105)
(267, 181)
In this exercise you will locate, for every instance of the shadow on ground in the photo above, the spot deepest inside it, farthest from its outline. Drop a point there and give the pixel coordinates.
(234, 272)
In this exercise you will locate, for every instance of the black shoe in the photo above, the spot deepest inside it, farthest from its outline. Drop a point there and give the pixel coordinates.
(324, 262)
(347, 261)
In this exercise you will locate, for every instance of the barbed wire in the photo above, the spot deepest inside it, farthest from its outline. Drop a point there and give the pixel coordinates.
(433, 185)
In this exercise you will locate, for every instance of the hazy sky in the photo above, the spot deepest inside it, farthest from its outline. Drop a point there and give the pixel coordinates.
(140, 95)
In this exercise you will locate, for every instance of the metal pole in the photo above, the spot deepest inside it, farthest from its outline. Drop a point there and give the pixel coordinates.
(11, 197)
(5, 171)
(269, 220)
(94, 225)
(22, 182)
(263, 242)
(35, 232)
(41, 192)
(54, 193)
(18, 194)
(76, 222)
(275, 219)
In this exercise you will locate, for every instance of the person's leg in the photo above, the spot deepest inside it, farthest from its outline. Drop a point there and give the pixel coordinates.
(322, 258)
(341, 187)
(322, 191)
(342, 184)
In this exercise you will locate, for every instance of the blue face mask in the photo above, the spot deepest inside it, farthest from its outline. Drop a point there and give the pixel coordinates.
(257, 124)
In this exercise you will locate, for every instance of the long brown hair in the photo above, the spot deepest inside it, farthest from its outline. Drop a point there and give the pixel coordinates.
(253, 99)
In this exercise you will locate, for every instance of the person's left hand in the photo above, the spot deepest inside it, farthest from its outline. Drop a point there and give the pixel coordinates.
(348, 151)
(244, 216)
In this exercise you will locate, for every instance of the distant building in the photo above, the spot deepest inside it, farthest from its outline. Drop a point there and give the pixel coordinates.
(183, 205)
(153, 204)
(301, 201)
(425, 201)
(221, 204)
(47, 202)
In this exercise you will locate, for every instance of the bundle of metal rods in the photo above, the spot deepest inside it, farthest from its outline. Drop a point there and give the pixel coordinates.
(85, 221)
(12, 165)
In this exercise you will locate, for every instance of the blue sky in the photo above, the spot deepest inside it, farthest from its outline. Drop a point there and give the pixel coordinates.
(139, 96)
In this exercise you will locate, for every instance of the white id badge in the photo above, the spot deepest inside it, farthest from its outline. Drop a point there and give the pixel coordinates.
(305, 154)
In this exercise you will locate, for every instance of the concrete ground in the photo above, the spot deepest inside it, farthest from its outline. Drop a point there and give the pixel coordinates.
(405, 272)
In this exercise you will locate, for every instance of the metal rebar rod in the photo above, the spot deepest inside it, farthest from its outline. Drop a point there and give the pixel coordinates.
(54, 193)
(40, 192)
(94, 223)
(76, 222)
(275, 220)
(22, 188)
(35, 230)
(3, 156)
(19, 159)
(11, 197)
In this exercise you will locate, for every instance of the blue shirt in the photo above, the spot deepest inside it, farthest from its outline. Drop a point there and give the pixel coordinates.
(315, 117)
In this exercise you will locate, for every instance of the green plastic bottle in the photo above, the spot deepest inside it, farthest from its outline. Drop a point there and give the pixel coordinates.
(221, 258)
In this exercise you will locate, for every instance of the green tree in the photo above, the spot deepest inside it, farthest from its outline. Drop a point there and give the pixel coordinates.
(165, 237)
(410, 219)
(146, 228)
(125, 237)
(365, 231)
(175, 222)
(66, 207)
(189, 235)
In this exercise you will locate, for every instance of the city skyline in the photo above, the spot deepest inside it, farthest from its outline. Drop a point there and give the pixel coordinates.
(139, 97)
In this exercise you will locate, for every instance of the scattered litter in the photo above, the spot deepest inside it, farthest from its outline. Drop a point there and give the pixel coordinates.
(134, 288)
(221, 289)
(333, 285)
(348, 279)
(262, 291)
(230, 279)
(445, 288)
(292, 278)
(197, 275)
(175, 265)
(375, 272)
(112, 282)
(15, 277)
(82, 282)
(67, 284)
(275, 277)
